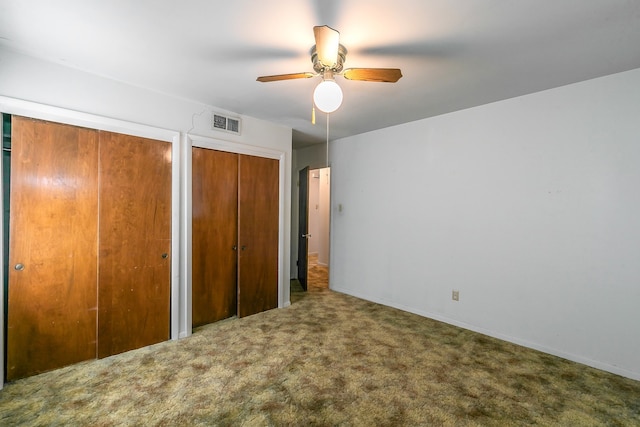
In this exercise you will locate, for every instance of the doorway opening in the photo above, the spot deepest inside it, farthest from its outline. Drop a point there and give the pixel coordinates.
(318, 220)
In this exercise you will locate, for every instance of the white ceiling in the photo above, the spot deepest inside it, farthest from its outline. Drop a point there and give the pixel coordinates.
(454, 54)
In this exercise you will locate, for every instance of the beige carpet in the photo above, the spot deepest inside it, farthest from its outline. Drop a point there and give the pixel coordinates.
(328, 360)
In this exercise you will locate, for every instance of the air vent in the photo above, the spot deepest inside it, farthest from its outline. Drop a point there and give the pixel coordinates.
(227, 124)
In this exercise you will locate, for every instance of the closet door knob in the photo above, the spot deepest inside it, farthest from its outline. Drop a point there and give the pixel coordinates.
(19, 267)
(235, 248)
(165, 255)
(243, 247)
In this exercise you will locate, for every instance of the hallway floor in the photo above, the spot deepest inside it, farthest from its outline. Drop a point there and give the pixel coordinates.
(318, 275)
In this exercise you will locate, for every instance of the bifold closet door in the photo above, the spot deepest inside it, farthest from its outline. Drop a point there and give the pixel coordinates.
(53, 247)
(235, 206)
(135, 243)
(214, 235)
(258, 234)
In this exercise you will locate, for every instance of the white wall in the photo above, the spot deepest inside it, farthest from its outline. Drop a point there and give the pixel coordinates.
(30, 79)
(123, 107)
(319, 208)
(324, 215)
(530, 207)
(314, 211)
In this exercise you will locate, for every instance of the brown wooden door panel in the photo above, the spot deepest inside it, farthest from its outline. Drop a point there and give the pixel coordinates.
(214, 236)
(258, 234)
(53, 234)
(134, 278)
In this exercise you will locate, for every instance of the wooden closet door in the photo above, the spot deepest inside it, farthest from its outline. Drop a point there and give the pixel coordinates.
(53, 236)
(134, 278)
(215, 235)
(258, 231)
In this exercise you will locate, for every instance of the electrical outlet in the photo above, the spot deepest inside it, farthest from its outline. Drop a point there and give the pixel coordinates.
(455, 295)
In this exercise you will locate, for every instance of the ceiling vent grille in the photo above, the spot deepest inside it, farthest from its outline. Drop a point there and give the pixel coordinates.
(227, 124)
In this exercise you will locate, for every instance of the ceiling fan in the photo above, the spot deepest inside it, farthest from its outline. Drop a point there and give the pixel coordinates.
(328, 57)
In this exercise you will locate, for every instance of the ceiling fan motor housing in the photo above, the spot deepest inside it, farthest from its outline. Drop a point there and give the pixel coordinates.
(337, 67)
(328, 57)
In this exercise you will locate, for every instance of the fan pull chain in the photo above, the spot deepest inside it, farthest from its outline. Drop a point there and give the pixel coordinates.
(313, 114)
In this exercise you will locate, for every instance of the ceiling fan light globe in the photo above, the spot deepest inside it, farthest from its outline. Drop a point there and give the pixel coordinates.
(327, 96)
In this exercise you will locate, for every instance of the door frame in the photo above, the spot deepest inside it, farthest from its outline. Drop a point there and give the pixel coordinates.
(60, 115)
(191, 140)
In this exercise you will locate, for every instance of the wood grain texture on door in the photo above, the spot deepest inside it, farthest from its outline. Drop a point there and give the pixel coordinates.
(53, 247)
(258, 234)
(134, 280)
(214, 235)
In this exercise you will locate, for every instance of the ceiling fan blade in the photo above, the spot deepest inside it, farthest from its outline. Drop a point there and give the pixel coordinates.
(389, 75)
(327, 43)
(279, 77)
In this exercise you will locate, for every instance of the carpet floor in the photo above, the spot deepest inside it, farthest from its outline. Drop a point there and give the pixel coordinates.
(327, 360)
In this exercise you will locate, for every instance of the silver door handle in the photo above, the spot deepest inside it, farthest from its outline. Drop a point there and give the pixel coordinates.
(306, 236)
(19, 267)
